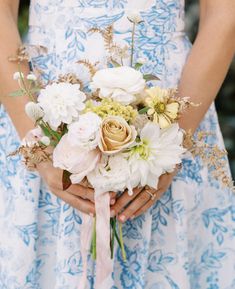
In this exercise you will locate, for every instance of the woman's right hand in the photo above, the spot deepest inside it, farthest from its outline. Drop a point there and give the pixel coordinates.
(78, 196)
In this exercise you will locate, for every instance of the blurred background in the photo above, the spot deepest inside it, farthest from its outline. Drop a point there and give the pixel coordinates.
(225, 101)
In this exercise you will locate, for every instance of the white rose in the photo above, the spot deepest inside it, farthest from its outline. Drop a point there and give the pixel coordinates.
(61, 103)
(111, 174)
(85, 131)
(75, 160)
(120, 83)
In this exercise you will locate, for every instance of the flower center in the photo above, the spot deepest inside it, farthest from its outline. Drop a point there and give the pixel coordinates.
(142, 149)
(160, 107)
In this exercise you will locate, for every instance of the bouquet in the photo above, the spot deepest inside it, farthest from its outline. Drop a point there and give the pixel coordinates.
(117, 133)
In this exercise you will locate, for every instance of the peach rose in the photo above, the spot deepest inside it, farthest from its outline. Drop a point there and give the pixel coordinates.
(116, 135)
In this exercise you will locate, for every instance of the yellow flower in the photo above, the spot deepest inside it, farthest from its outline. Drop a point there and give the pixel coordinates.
(163, 108)
(110, 107)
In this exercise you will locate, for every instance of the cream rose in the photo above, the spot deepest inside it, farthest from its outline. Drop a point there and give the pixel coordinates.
(120, 83)
(85, 131)
(76, 160)
(116, 135)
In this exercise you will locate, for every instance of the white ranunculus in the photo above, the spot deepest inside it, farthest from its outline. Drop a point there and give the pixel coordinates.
(111, 174)
(158, 152)
(33, 111)
(76, 160)
(120, 83)
(85, 131)
(61, 103)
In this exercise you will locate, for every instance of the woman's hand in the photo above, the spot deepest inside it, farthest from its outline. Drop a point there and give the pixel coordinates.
(80, 196)
(130, 207)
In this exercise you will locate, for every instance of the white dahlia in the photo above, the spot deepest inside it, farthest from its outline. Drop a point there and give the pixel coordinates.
(157, 152)
(61, 103)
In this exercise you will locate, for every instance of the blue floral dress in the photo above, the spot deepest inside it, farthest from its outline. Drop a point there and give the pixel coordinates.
(186, 241)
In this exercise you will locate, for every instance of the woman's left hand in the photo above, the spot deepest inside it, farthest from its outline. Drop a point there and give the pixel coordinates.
(130, 207)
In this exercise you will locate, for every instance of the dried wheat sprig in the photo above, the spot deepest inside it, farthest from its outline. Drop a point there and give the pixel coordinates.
(21, 55)
(91, 67)
(212, 156)
(71, 78)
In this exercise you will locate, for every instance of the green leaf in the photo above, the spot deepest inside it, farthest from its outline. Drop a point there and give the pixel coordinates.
(54, 135)
(17, 93)
(35, 89)
(149, 77)
(138, 65)
(143, 110)
(66, 180)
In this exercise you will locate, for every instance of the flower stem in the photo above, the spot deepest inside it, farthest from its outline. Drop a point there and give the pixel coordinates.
(113, 225)
(133, 44)
(93, 250)
(25, 88)
(122, 242)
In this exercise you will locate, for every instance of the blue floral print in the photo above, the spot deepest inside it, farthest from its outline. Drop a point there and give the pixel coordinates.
(186, 240)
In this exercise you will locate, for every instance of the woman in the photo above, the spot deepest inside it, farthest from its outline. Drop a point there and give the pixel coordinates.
(185, 238)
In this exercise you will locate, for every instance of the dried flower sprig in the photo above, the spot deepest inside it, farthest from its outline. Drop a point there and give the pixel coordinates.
(33, 155)
(70, 78)
(21, 55)
(211, 155)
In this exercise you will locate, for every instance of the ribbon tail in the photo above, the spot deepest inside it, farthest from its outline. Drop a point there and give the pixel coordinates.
(104, 263)
(86, 235)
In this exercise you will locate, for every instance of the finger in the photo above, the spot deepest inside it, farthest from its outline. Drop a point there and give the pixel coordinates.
(148, 205)
(113, 196)
(80, 191)
(141, 199)
(123, 201)
(143, 209)
(76, 202)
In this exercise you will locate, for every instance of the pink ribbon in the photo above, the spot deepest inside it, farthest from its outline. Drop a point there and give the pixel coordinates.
(104, 263)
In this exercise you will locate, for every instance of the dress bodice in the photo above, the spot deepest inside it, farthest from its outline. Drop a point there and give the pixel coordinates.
(111, 4)
(63, 26)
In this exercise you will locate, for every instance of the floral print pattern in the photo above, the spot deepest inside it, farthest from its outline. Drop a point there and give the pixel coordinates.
(185, 241)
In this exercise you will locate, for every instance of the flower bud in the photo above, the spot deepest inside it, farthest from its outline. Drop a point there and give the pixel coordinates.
(45, 140)
(33, 111)
(31, 77)
(134, 17)
(141, 60)
(18, 75)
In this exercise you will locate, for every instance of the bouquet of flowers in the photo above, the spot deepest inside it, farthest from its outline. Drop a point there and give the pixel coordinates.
(118, 132)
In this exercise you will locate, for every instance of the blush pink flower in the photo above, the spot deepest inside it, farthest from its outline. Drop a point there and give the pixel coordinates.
(75, 159)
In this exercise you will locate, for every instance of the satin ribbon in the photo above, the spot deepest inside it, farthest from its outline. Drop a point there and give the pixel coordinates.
(104, 263)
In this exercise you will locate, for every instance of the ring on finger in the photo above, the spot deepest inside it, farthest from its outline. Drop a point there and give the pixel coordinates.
(152, 195)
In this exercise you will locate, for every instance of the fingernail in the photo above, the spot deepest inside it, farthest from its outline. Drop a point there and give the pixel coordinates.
(122, 218)
(113, 201)
(112, 213)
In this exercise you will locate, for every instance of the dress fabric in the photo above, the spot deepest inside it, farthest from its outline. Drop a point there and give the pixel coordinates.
(186, 241)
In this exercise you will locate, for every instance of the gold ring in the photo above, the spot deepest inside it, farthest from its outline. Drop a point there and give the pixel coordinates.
(153, 196)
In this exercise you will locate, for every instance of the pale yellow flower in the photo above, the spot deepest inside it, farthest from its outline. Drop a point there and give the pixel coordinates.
(163, 108)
